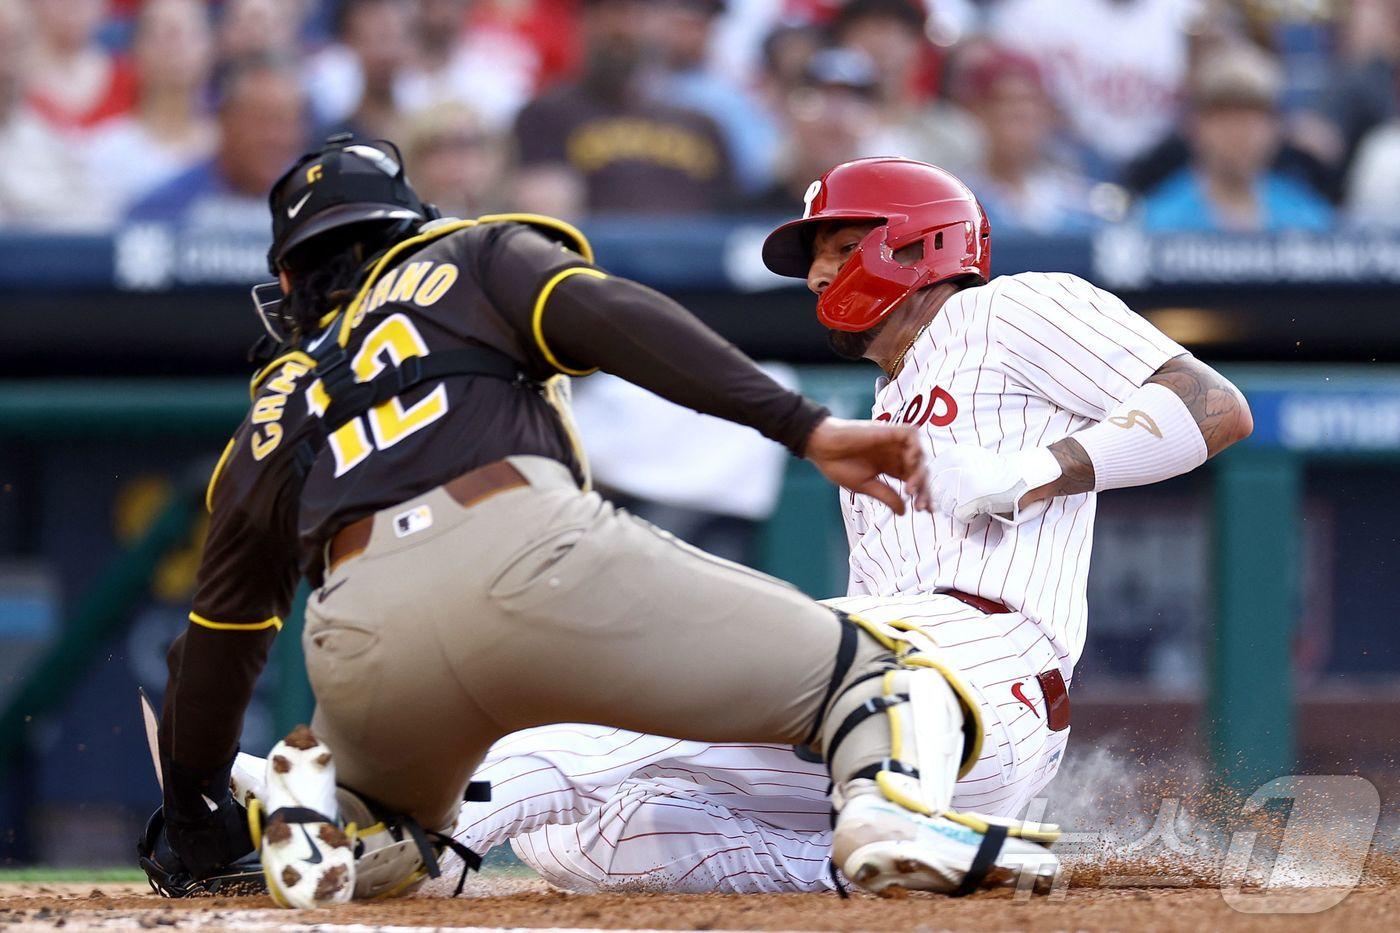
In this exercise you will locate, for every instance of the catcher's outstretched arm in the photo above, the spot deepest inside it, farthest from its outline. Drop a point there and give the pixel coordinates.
(646, 338)
(579, 319)
(641, 335)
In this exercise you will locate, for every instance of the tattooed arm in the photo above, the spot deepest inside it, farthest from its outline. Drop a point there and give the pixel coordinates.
(1219, 410)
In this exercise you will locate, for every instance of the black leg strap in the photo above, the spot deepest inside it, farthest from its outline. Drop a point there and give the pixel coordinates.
(836, 880)
(983, 861)
(889, 764)
(427, 841)
(845, 654)
(425, 848)
(470, 860)
(350, 399)
(860, 714)
(871, 675)
(298, 815)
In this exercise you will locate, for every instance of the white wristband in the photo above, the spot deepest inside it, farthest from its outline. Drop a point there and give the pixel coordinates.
(1036, 466)
(1149, 437)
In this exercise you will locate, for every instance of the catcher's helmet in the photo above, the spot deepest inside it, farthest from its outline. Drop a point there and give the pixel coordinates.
(345, 182)
(913, 201)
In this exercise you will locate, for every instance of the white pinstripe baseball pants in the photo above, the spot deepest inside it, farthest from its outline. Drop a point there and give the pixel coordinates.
(594, 808)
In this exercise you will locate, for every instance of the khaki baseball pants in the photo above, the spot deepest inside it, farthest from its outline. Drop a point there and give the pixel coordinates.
(544, 604)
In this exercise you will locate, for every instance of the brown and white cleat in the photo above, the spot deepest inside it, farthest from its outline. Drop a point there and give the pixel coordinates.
(307, 858)
(888, 850)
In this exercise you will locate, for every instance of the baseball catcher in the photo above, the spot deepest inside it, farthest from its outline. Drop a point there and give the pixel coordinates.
(408, 448)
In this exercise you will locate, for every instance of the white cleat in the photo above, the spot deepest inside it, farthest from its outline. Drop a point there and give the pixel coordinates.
(307, 858)
(887, 850)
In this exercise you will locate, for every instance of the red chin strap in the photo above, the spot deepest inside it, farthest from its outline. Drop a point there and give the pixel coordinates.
(872, 283)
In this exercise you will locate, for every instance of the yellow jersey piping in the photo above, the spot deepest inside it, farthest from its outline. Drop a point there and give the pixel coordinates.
(396, 251)
(581, 244)
(579, 241)
(537, 319)
(218, 469)
(274, 622)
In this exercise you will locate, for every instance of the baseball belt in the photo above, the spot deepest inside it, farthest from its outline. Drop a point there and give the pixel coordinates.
(981, 603)
(466, 490)
(1052, 682)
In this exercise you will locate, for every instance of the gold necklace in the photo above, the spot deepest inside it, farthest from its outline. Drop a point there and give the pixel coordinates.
(899, 360)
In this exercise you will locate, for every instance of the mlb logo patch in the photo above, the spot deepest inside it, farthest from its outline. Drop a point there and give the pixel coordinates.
(413, 521)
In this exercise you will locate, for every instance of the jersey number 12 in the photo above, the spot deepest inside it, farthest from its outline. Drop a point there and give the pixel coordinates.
(392, 342)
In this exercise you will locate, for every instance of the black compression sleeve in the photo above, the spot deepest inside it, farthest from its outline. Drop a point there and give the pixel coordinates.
(639, 334)
(212, 675)
(247, 575)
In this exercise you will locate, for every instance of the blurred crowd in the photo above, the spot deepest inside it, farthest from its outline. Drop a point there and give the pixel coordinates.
(1228, 115)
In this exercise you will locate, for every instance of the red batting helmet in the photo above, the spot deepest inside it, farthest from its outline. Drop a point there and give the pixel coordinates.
(914, 201)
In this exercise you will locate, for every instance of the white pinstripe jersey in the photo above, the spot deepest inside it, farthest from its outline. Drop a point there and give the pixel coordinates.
(1015, 364)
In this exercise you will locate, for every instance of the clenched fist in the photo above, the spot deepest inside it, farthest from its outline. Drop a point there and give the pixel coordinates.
(969, 481)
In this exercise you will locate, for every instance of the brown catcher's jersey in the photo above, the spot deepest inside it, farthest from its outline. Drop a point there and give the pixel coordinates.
(448, 289)
(468, 284)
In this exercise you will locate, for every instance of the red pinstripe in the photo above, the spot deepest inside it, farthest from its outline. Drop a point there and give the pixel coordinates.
(790, 858)
(659, 769)
(578, 839)
(520, 800)
(802, 881)
(1036, 313)
(1085, 321)
(1091, 406)
(1137, 328)
(697, 865)
(674, 803)
(556, 859)
(1073, 339)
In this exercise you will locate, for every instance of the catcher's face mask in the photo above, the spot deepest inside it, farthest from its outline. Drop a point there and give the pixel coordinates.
(268, 301)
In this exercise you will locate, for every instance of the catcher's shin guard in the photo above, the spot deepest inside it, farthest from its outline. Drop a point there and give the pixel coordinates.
(931, 736)
(894, 786)
(394, 854)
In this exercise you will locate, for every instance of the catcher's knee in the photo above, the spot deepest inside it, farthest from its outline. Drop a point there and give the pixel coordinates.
(902, 719)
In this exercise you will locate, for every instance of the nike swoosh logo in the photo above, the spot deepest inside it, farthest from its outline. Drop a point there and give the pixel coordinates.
(315, 345)
(325, 593)
(295, 209)
(315, 857)
(1016, 691)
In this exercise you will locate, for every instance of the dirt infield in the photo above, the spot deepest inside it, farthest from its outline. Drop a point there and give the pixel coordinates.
(511, 903)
